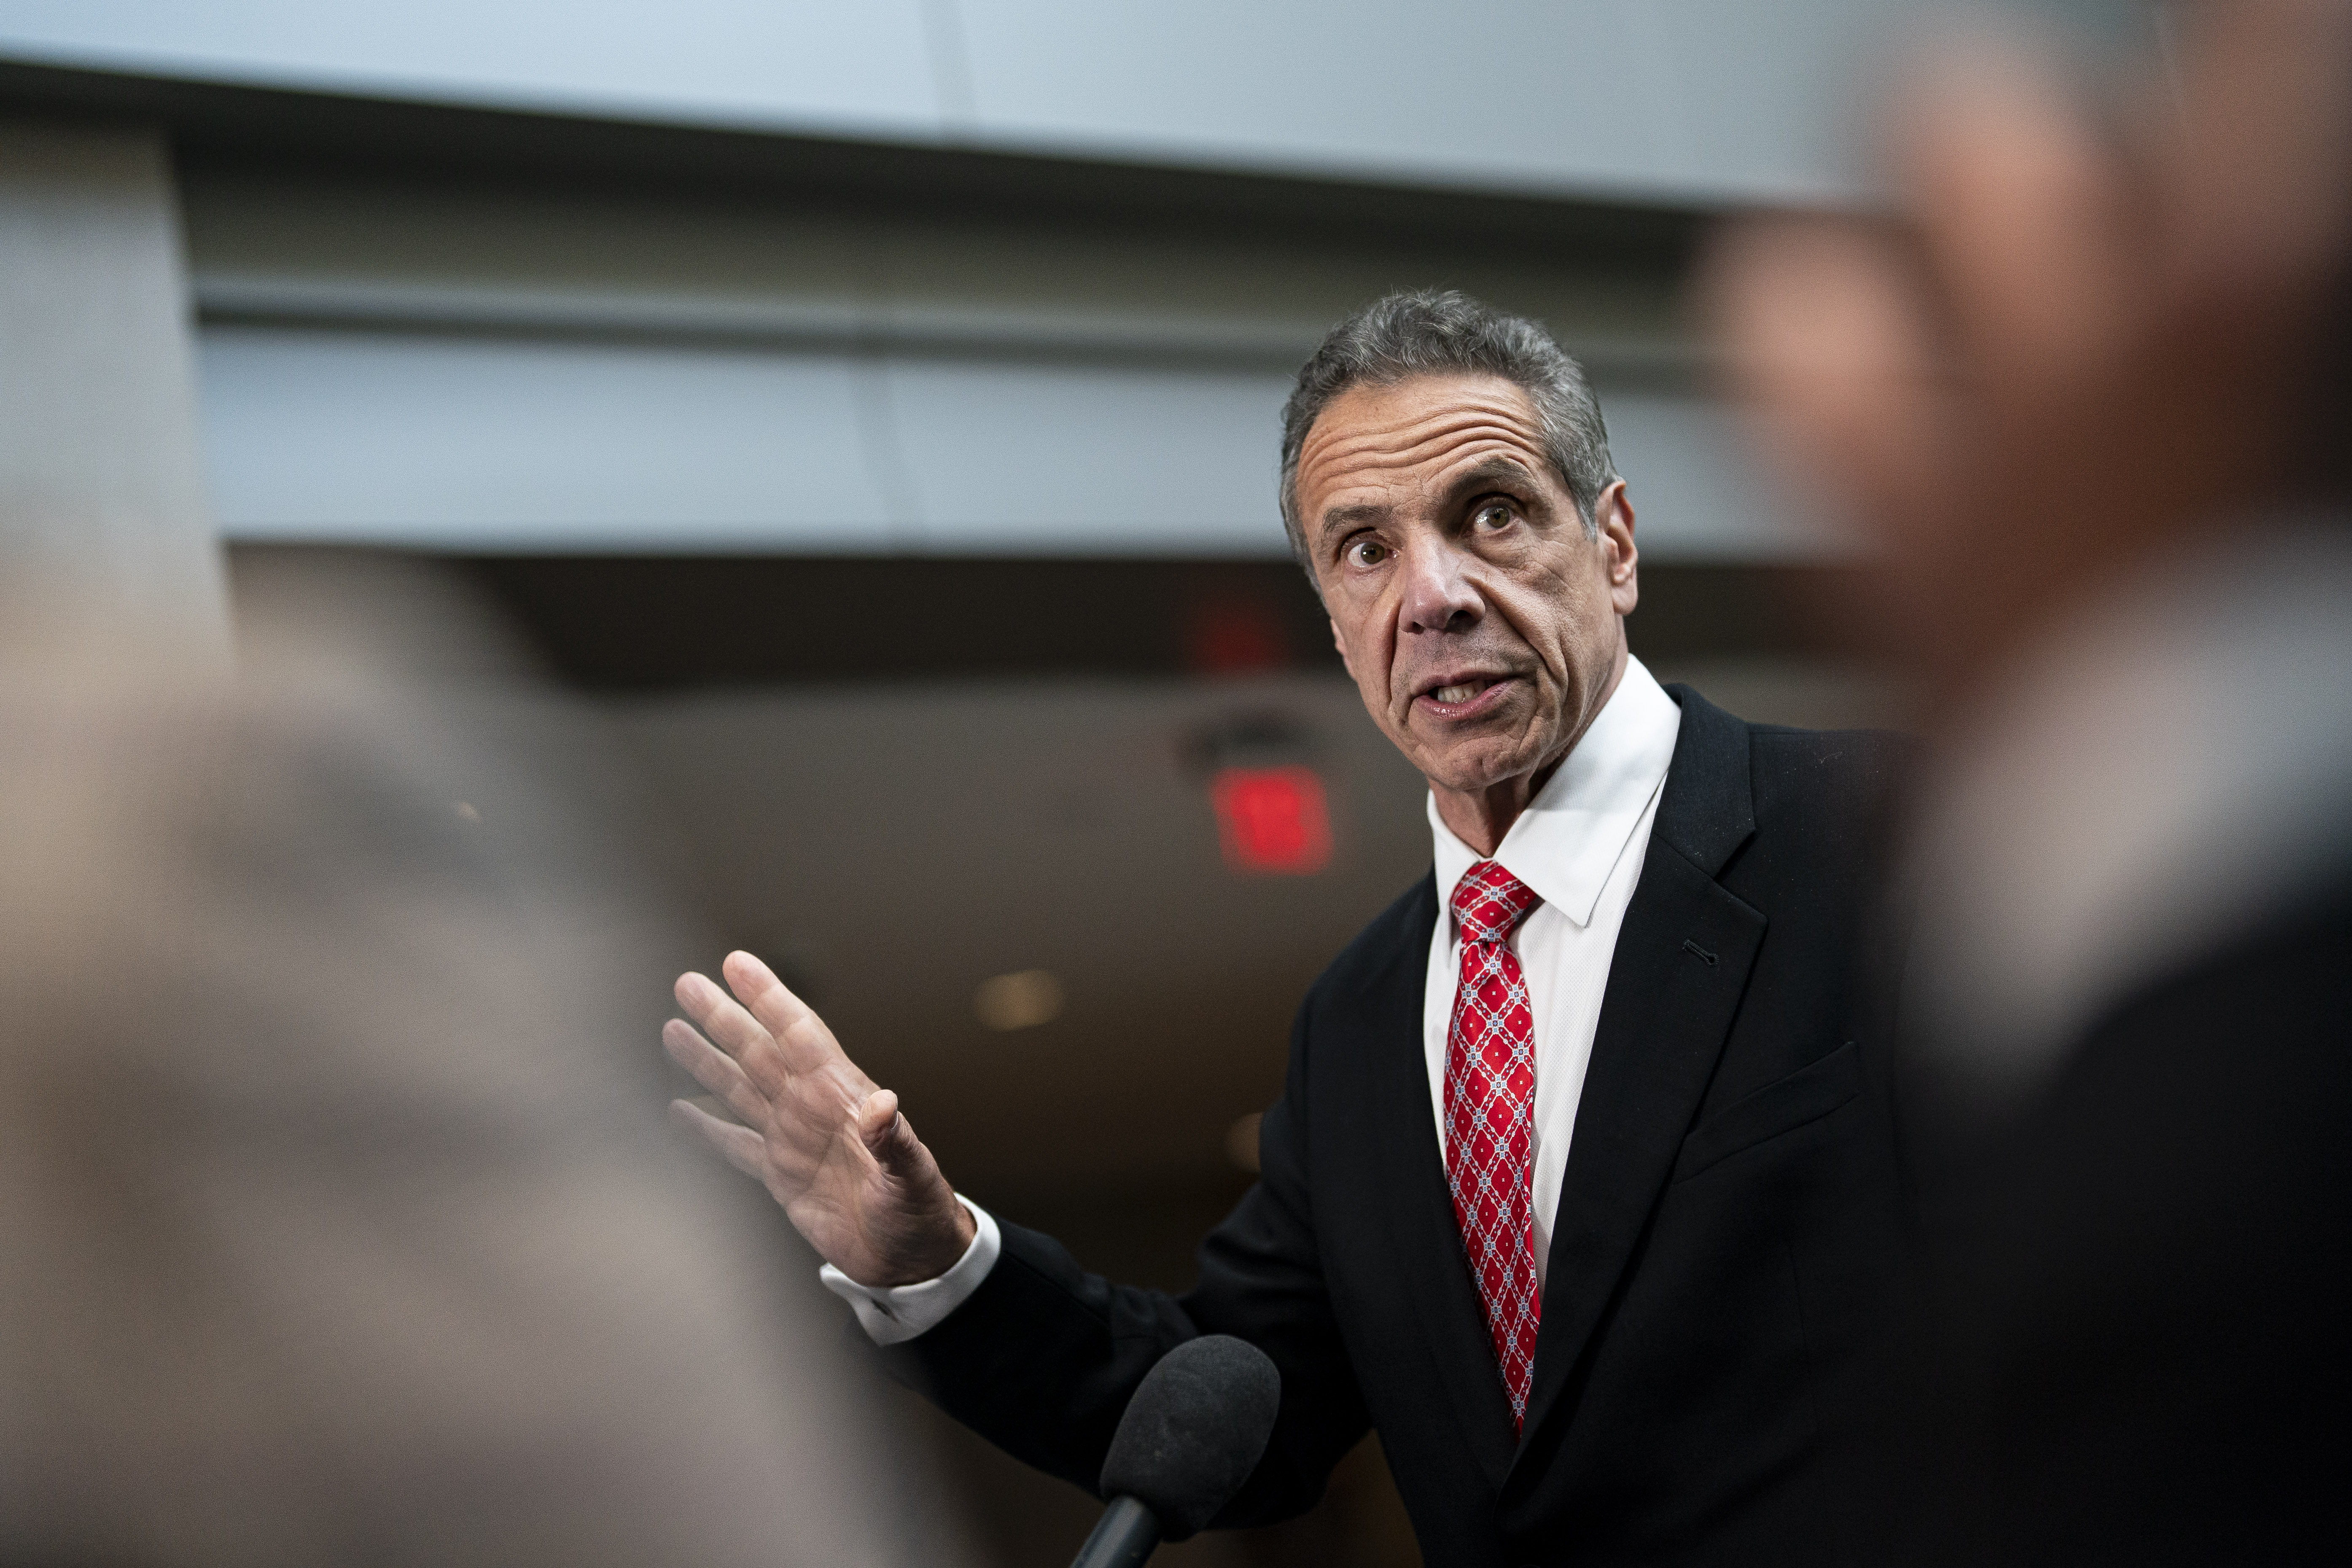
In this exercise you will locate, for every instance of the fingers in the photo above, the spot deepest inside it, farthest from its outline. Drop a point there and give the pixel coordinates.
(735, 1031)
(715, 1070)
(740, 1147)
(806, 1044)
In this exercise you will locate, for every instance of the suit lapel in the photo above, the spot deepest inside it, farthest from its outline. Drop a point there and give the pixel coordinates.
(1410, 1174)
(1675, 984)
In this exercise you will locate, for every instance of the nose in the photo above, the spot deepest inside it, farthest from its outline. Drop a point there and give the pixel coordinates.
(1438, 593)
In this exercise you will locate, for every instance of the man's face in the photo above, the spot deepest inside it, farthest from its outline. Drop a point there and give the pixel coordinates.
(1480, 620)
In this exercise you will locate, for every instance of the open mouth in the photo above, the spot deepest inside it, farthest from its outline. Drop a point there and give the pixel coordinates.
(1466, 695)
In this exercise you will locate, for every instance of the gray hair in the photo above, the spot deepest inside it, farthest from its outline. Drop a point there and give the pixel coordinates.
(1441, 332)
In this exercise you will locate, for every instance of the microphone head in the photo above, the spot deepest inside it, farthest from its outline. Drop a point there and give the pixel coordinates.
(1195, 1429)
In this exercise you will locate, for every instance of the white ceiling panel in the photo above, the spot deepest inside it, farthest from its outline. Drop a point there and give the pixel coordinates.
(1588, 96)
(1091, 460)
(491, 443)
(1683, 100)
(456, 442)
(755, 63)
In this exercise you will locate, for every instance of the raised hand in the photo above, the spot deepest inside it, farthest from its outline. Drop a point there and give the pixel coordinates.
(831, 1146)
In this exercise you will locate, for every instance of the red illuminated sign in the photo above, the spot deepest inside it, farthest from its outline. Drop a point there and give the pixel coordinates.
(1273, 819)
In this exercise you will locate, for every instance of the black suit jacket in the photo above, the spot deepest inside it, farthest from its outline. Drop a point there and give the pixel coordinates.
(1727, 1219)
(2134, 1341)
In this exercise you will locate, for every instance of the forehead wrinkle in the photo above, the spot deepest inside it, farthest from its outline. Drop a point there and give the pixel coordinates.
(1474, 471)
(1465, 441)
(1409, 434)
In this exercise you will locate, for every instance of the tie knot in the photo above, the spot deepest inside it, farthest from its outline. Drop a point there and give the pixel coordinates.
(1490, 902)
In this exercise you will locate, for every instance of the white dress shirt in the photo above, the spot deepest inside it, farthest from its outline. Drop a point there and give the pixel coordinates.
(892, 1314)
(1579, 845)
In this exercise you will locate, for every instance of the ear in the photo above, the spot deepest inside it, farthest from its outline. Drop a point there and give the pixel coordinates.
(1613, 514)
(1340, 642)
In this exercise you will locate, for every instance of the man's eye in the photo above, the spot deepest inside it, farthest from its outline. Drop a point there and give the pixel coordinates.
(1494, 514)
(1368, 552)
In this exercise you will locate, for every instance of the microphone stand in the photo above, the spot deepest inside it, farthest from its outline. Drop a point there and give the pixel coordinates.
(1123, 1538)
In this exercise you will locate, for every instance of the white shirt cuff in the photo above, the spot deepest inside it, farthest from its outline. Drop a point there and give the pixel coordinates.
(893, 1314)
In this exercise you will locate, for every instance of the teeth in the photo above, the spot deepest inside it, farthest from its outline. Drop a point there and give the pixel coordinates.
(1460, 692)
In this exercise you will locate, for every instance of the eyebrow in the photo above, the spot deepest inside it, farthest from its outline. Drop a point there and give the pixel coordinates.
(1350, 516)
(1487, 476)
(1493, 471)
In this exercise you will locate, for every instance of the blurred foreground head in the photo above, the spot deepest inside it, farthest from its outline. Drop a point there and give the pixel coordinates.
(2082, 342)
(2084, 396)
(2085, 400)
(337, 1221)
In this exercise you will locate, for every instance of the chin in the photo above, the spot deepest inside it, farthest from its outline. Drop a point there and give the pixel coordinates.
(1481, 769)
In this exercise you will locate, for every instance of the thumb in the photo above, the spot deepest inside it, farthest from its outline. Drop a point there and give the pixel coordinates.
(890, 1138)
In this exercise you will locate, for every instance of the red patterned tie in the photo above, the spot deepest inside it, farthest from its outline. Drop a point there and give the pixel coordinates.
(1490, 1105)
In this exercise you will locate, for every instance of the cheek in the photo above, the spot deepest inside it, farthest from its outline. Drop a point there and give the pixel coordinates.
(1578, 618)
(1366, 661)
(1366, 645)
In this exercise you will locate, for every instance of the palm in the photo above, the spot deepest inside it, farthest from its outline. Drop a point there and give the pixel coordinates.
(827, 1143)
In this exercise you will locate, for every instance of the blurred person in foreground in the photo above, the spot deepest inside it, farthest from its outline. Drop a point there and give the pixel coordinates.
(335, 1224)
(1581, 1189)
(2089, 403)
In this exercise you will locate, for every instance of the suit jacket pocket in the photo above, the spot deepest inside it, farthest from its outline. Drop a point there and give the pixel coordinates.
(1807, 1095)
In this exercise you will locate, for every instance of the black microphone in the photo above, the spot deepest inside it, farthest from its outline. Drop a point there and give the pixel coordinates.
(1192, 1434)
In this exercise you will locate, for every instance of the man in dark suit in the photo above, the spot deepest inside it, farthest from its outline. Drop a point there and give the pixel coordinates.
(1580, 1188)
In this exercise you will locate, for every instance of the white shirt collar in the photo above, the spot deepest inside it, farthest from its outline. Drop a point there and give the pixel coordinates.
(1569, 840)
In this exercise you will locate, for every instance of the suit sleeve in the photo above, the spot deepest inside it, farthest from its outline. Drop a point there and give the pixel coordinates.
(1044, 1357)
